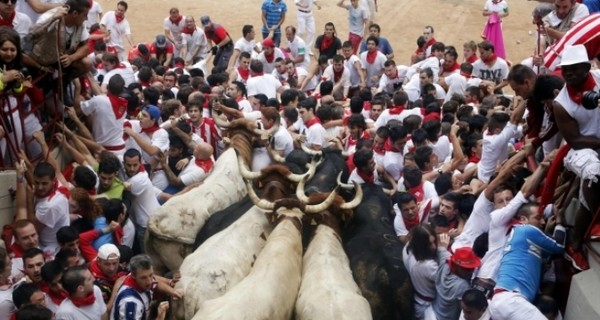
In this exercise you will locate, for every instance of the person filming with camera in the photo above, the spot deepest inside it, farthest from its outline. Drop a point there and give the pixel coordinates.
(578, 118)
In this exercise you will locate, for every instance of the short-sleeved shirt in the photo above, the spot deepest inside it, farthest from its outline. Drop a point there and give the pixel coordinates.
(356, 19)
(53, 212)
(497, 73)
(384, 46)
(107, 129)
(330, 51)
(68, 311)
(273, 11)
(192, 173)
(117, 29)
(174, 28)
(216, 34)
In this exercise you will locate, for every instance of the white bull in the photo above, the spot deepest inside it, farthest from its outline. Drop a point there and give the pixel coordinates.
(222, 261)
(173, 227)
(328, 290)
(270, 290)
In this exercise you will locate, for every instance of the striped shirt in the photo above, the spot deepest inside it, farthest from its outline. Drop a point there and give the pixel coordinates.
(273, 11)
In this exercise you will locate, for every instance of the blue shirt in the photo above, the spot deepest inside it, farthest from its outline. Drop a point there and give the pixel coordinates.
(99, 224)
(384, 46)
(521, 266)
(274, 12)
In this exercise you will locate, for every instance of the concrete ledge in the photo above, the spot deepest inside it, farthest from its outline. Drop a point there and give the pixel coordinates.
(7, 209)
(583, 295)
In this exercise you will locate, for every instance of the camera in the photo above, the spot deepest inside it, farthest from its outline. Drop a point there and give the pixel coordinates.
(590, 100)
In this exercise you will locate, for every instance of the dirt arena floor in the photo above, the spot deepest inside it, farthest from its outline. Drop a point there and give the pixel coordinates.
(402, 21)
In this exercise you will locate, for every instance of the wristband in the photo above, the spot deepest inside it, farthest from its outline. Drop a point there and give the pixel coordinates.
(20, 178)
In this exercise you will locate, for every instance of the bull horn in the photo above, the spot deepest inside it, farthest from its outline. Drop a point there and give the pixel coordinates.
(300, 190)
(245, 172)
(312, 166)
(275, 155)
(218, 121)
(357, 198)
(261, 203)
(317, 208)
(310, 151)
(346, 186)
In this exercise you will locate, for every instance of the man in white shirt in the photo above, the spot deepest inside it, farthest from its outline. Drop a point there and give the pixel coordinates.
(197, 169)
(457, 83)
(296, 48)
(352, 63)
(34, 8)
(20, 22)
(144, 201)
(398, 112)
(84, 300)
(173, 26)
(393, 160)
(244, 44)
(316, 135)
(108, 114)
(306, 21)
(393, 77)
(112, 66)
(339, 75)
(491, 67)
(261, 82)
(372, 62)
(269, 55)
(194, 41)
(117, 26)
(282, 141)
(94, 15)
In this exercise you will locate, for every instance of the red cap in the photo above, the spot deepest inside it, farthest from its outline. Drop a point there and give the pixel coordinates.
(465, 258)
(268, 43)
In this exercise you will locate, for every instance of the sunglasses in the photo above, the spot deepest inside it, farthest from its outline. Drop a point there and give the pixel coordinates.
(7, 1)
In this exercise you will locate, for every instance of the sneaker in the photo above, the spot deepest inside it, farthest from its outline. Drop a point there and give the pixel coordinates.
(595, 232)
(577, 258)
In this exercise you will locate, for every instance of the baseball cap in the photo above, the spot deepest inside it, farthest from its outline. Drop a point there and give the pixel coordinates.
(153, 111)
(268, 43)
(205, 20)
(161, 41)
(465, 258)
(108, 251)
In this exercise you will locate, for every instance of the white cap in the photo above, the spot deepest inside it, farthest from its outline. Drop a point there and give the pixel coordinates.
(574, 55)
(108, 251)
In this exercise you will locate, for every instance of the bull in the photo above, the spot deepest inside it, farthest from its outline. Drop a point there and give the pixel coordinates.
(270, 290)
(173, 227)
(375, 254)
(328, 290)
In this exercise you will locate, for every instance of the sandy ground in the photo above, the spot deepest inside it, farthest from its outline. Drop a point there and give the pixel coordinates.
(402, 21)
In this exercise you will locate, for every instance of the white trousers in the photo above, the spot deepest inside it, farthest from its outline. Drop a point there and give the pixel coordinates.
(513, 306)
(306, 26)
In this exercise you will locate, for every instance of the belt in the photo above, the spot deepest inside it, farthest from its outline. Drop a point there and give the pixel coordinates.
(428, 299)
(305, 11)
(499, 290)
(115, 148)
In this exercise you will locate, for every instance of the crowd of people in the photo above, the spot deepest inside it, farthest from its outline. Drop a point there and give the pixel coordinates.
(464, 164)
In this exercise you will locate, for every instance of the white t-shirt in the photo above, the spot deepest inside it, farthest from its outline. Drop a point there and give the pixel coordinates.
(354, 75)
(53, 212)
(393, 163)
(458, 84)
(194, 41)
(7, 307)
(25, 7)
(499, 7)
(125, 70)
(117, 30)
(581, 11)
(316, 135)
(373, 69)
(93, 15)
(587, 120)
(144, 202)
(21, 24)
(495, 150)
(107, 129)
(478, 223)
(385, 116)
(400, 226)
(244, 45)
(192, 173)
(329, 75)
(283, 141)
(389, 85)
(174, 28)
(422, 275)
(356, 19)
(266, 84)
(268, 67)
(298, 48)
(68, 311)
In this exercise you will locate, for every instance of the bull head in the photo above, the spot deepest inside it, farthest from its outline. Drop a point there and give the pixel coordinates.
(309, 208)
(252, 175)
(346, 205)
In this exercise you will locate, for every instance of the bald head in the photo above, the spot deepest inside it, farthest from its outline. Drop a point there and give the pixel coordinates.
(203, 151)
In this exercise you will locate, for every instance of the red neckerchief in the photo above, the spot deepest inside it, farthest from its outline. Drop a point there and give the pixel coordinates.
(466, 75)
(187, 30)
(371, 55)
(396, 110)
(9, 22)
(98, 274)
(177, 20)
(352, 142)
(576, 92)
(409, 224)
(270, 57)
(57, 298)
(62, 189)
(368, 177)
(474, 158)
(88, 300)
(312, 121)
(119, 18)
(205, 165)
(119, 233)
(126, 124)
(367, 106)
(16, 250)
(145, 84)
(326, 43)
(453, 67)
(490, 59)
(388, 146)
(130, 282)
(337, 75)
(244, 73)
(118, 104)
(453, 224)
(379, 150)
(149, 131)
(429, 43)
(472, 58)
(418, 192)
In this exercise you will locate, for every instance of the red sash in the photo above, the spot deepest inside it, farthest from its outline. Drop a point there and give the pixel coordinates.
(118, 104)
(418, 192)
(576, 93)
(312, 122)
